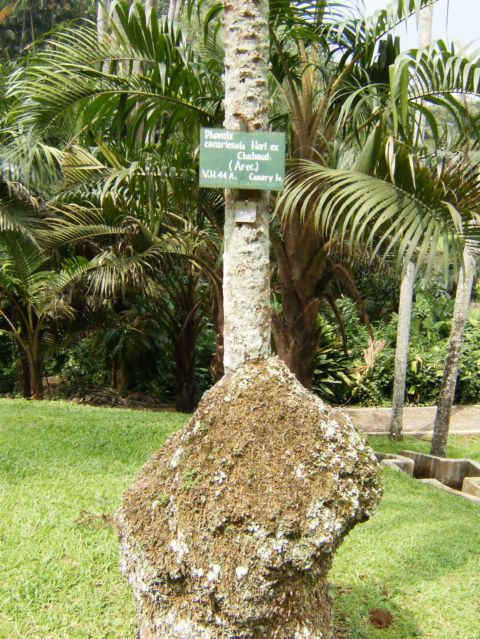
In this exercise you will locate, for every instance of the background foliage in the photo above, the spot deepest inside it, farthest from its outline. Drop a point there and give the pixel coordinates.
(356, 382)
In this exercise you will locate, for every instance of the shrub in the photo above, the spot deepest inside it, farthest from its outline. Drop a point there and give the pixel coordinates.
(341, 379)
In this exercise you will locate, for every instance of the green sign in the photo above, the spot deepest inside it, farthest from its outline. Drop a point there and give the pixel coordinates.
(239, 160)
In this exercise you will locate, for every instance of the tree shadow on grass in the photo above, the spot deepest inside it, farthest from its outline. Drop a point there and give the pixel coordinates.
(353, 606)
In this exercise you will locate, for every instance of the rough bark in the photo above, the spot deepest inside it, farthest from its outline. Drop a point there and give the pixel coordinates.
(449, 380)
(401, 352)
(246, 281)
(230, 529)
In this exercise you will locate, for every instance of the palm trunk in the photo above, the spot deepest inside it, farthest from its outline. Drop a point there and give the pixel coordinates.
(36, 380)
(113, 378)
(36, 369)
(425, 21)
(174, 9)
(297, 336)
(102, 18)
(449, 380)
(24, 28)
(185, 369)
(185, 346)
(304, 274)
(32, 26)
(217, 363)
(408, 282)
(246, 281)
(121, 376)
(23, 373)
(401, 353)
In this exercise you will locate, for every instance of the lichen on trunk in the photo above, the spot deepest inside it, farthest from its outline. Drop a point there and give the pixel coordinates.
(230, 529)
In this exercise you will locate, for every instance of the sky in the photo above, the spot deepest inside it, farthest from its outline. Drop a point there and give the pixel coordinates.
(455, 21)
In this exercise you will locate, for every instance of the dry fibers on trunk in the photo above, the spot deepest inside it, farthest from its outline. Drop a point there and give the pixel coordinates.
(230, 529)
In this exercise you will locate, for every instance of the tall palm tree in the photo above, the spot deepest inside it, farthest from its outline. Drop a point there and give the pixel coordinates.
(425, 19)
(347, 108)
(353, 187)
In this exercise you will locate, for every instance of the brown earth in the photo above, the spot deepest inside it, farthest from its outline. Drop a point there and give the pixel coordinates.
(380, 618)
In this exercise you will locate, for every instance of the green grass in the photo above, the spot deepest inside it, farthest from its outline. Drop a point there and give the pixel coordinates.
(64, 466)
(458, 445)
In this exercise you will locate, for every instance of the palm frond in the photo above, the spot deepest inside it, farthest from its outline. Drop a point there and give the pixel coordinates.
(19, 211)
(432, 76)
(134, 77)
(357, 37)
(365, 210)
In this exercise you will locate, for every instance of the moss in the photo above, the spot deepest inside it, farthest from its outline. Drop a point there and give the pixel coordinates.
(190, 477)
(272, 482)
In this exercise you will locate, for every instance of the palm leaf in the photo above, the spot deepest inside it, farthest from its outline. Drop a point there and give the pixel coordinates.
(367, 211)
(433, 75)
(136, 75)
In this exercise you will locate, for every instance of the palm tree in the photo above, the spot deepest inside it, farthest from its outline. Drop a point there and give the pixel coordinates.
(246, 264)
(425, 19)
(22, 21)
(154, 235)
(334, 109)
(33, 299)
(137, 193)
(354, 192)
(333, 92)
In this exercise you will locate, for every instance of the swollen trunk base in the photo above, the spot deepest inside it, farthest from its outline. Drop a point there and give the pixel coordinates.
(230, 529)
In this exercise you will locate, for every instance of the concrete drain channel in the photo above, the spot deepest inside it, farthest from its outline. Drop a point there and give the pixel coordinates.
(457, 476)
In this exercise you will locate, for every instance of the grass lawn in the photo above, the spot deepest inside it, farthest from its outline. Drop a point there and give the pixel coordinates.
(64, 467)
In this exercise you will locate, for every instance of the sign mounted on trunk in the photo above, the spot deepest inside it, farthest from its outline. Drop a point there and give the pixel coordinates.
(240, 160)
